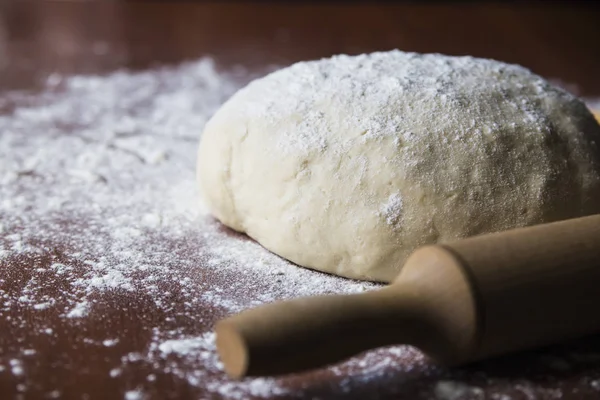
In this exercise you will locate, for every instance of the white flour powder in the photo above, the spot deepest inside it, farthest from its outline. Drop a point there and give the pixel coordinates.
(103, 167)
(106, 165)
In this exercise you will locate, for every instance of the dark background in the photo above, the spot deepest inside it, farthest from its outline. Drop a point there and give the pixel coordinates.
(555, 39)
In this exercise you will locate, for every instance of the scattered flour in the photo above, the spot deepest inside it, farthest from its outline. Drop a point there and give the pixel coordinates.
(16, 367)
(115, 372)
(134, 395)
(80, 310)
(452, 390)
(110, 342)
(98, 204)
(181, 346)
(100, 170)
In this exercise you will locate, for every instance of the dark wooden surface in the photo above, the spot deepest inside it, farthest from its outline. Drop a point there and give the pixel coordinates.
(557, 41)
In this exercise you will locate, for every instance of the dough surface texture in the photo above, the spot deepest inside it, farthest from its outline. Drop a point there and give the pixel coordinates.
(348, 164)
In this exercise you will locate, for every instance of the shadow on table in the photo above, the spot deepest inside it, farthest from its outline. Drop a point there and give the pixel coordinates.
(567, 369)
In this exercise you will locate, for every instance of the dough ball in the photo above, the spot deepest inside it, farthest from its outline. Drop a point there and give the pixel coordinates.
(348, 164)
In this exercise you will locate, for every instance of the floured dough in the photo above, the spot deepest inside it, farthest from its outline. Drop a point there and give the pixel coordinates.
(347, 164)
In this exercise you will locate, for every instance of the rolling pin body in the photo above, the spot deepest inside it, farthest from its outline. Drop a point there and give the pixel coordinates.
(457, 302)
(534, 286)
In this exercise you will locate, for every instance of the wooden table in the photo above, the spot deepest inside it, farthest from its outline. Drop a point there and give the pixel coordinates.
(558, 41)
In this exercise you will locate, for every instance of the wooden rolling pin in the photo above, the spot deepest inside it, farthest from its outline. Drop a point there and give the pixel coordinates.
(457, 302)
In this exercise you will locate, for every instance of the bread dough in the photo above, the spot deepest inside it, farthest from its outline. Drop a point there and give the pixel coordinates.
(347, 164)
